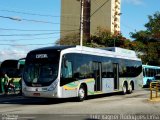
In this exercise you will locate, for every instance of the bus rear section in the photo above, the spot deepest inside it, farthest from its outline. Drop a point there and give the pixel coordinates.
(75, 71)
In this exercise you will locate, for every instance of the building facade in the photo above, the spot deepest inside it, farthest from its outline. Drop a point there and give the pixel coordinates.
(104, 13)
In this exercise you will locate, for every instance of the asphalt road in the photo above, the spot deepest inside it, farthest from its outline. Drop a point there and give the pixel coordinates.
(109, 106)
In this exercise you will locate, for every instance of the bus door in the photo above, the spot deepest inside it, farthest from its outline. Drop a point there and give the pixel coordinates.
(97, 69)
(116, 75)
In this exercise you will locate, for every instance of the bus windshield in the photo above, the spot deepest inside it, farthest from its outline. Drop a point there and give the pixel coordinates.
(40, 71)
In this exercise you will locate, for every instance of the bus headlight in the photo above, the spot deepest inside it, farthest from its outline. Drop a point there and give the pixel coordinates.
(53, 86)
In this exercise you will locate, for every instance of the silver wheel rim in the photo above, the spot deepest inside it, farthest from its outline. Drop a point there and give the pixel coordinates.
(81, 93)
(124, 89)
(130, 88)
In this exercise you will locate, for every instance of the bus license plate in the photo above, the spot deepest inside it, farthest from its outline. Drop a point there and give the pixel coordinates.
(36, 94)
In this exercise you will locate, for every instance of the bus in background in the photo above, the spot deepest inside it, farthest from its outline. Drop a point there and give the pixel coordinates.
(13, 68)
(10, 68)
(149, 73)
(75, 71)
(20, 66)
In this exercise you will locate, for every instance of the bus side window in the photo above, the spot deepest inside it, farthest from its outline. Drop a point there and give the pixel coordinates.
(67, 69)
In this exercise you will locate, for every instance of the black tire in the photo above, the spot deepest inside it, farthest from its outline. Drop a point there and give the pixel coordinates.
(81, 93)
(148, 83)
(130, 88)
(124, 89)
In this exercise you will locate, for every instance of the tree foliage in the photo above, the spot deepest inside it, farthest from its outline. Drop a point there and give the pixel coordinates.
(102, 38)
(146, 43)
(150, 39)
(69, 39)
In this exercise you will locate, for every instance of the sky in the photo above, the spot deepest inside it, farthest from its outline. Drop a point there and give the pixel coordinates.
(29, 24)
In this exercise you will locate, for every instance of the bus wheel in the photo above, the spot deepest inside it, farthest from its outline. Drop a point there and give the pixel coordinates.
(130, 88)
(81, 93)
(124, 89)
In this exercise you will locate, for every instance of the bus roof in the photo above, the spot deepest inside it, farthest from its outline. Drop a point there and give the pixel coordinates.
(9, 62)
(52, 48)
(117, 53)
(121, 51)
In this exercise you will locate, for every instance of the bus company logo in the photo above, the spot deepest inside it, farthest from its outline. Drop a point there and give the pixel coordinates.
(108, 86)
(36, 89)
(41, 56)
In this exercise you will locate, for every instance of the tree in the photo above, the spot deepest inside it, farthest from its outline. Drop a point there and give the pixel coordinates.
(102, 38)
(69, 39)
(150, 40)
(153, 26)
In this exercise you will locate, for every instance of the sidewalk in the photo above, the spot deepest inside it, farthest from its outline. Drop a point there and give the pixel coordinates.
(155, 99)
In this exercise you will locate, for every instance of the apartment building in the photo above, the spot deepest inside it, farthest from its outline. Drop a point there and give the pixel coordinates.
(104, 13)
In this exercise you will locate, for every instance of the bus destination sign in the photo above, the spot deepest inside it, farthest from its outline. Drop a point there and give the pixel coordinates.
(38, 56)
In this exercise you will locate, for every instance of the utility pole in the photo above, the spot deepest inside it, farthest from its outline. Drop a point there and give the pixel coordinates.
(81, 23)
(85, 21)
(87, 11)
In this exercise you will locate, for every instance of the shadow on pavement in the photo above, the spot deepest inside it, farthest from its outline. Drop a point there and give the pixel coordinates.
(17, 99)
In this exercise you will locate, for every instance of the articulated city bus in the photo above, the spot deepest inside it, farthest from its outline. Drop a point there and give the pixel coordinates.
(75, 71)
(20, 65)
(149, 73)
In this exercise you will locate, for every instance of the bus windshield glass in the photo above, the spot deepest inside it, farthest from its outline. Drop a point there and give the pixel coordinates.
(41, 71)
